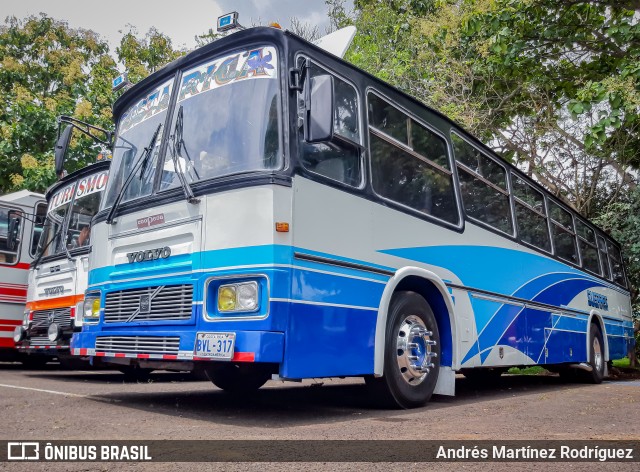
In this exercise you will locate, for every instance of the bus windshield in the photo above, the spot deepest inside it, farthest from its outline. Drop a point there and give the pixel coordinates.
(51, 241)
(226, 120)
(69, 219)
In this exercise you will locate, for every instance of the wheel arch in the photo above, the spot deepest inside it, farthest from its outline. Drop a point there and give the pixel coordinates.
(596, 318)
(435, 292)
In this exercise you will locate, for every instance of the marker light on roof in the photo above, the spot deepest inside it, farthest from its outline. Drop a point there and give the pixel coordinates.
(119, 82)
(228, 21)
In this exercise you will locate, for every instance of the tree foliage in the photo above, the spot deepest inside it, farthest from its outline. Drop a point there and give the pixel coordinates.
(48, 69)
(552, 85)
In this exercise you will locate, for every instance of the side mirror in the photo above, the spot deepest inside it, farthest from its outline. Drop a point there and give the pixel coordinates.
(319, 109)
(13, 231)
(61, 149)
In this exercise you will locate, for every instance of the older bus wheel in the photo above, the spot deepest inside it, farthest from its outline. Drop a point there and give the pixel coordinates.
(596, 355)
(412, 354)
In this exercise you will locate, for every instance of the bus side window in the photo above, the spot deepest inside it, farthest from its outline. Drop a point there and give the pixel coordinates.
(615, 261)
(563, 233)
(531, 216)
(8, 255)
(339, 159)
(588, 248)
(409, 162)
(40, 215)
(604, 258)
(483, 185)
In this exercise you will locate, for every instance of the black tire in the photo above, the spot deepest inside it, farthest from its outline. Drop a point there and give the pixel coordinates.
(596, 356)
(35, 362)
(71, 363)
(134, 373)
(402, 387)
(239, 378)
(483, 375)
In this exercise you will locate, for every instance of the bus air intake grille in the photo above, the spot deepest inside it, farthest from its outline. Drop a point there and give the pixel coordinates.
(158, 303)
(60, 316)
(139, 344)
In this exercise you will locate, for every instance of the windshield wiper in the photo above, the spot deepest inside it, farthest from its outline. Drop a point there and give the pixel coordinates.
(41, 253)
(142, 161)
(177, 143)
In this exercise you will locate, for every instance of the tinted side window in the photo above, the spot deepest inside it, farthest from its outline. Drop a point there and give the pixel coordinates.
(9, 256)
(531, 216)
(562, 232)
(414, 172)
(483, 186)
(339, 160)
(615, 260)
(587, 246)
(604, 258)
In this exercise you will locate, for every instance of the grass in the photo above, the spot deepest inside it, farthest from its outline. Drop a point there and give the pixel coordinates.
(623, 363)
(533, 370)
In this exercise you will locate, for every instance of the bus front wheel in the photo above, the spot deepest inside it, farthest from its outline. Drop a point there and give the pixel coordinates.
(241, 378)
(411, 355)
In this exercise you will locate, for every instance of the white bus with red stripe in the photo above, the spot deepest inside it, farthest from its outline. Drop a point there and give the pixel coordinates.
(21, 213)
(58, 278)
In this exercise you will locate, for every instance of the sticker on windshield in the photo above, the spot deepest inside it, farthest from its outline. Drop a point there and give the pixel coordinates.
(257, 63)
(62, 197)
(92, 184)
(155, 102)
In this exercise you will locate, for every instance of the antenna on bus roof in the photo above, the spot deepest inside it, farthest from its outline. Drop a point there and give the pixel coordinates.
(337, 42)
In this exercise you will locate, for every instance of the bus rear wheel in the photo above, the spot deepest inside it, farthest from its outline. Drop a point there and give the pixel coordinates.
(596, 355)
(411, 355)
(239, 378)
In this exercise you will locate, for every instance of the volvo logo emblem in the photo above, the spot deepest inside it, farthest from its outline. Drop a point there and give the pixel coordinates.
(145, 304)
(149, 254)
(57, 290)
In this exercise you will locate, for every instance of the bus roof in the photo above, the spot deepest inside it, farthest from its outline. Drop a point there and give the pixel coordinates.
(22, 197)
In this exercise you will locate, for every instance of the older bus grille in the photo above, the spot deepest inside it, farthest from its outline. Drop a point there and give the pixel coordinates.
(61, 316)
(36, 341)
(159, 303)
(139, 344)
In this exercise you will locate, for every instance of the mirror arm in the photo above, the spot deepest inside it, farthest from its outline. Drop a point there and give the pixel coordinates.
(78, 125)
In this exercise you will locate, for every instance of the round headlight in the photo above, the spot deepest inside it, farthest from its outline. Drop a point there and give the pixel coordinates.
(18, 334)
(54, 332)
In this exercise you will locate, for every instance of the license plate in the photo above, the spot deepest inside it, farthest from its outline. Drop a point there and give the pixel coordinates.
(215, 345)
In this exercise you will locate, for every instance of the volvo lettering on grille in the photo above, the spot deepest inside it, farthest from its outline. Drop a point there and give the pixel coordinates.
(149, 254)
(145, 304)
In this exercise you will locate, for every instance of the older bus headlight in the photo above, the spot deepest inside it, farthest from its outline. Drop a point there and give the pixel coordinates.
(91, 308)
(238, 297)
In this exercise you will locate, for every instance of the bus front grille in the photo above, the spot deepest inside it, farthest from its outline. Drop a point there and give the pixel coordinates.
(60, 316)
(159, 303)
(139, 344)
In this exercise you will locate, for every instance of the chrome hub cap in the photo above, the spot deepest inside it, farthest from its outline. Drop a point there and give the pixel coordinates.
(415, 350)
(597, 354)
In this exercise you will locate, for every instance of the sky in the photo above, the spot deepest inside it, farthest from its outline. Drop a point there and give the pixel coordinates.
(181, 20)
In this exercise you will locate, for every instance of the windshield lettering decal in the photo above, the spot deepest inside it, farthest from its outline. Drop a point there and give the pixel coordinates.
(62, 197)
(258, 63)
(156, 102)
(92, 184)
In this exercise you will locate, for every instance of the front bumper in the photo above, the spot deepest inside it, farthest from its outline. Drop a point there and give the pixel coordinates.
(250, 346)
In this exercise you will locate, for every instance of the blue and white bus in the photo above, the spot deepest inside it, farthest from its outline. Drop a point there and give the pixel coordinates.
(275, 212)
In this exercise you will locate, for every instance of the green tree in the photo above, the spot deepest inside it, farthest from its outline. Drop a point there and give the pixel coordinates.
(48, 69)
(145, 55)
